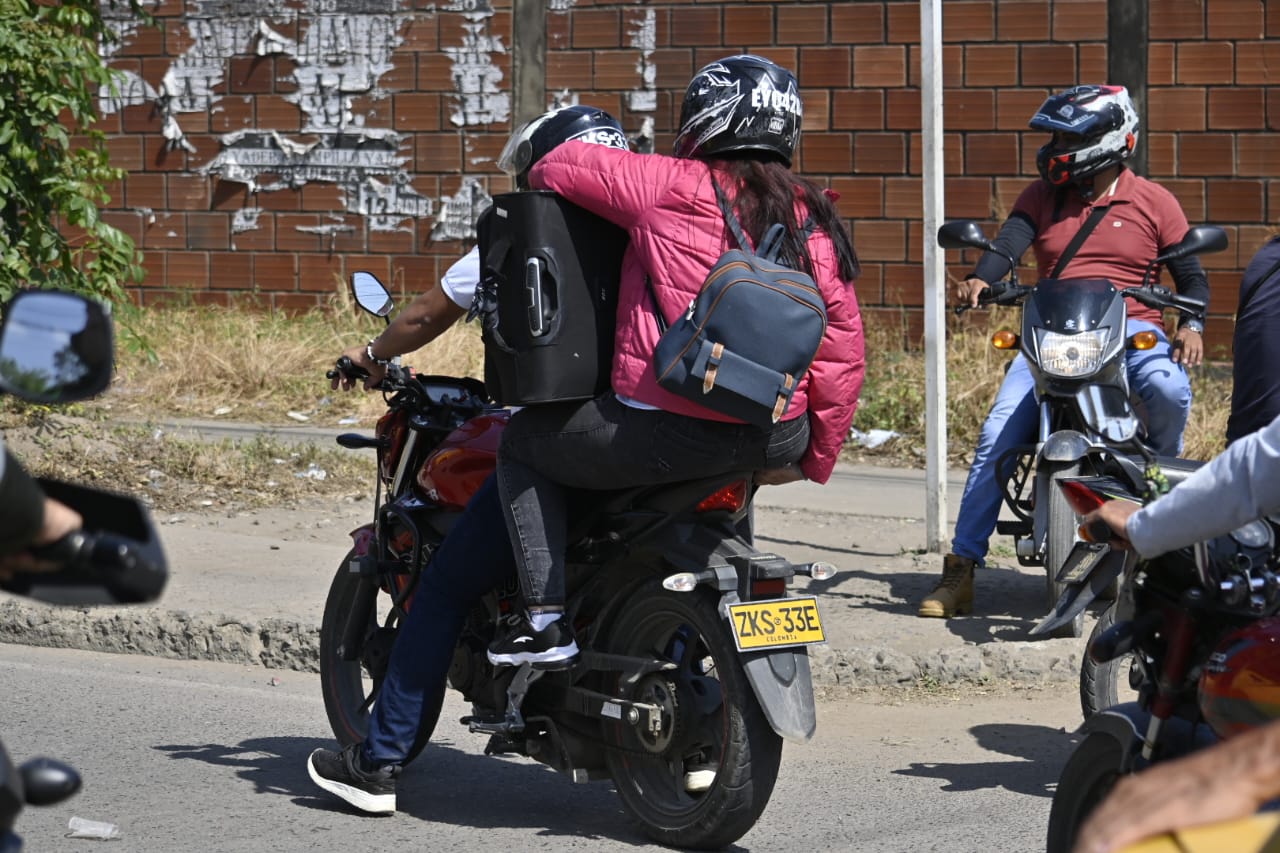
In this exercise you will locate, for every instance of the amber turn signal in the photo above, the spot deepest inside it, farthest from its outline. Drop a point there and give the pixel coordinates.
(1144, 340)
(1004, 339)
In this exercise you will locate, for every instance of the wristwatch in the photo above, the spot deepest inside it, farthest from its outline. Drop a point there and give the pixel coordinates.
(1196, 326)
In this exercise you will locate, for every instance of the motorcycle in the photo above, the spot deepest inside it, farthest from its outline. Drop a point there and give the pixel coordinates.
(57, 348)
(1074, 339)
(690, 643)
(1199, 626)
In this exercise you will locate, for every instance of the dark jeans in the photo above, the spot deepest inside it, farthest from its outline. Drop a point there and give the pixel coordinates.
(605, 444)
(474, 558)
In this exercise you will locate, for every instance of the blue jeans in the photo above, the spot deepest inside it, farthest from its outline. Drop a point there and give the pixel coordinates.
(474, 558)
(1014, 419)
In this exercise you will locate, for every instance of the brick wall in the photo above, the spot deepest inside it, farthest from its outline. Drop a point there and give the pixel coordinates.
(274, 148)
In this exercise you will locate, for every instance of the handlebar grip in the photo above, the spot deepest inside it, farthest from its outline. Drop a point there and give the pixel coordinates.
(113, 564)
(344, 366)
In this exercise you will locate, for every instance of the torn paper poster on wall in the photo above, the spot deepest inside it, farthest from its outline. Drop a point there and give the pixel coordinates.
(481, 98)
(459, 212)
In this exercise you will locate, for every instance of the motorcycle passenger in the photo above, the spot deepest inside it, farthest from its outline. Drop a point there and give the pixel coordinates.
(1255, 345)
(1082, 168)
(739, 125)
(474, 558)
(1234, 778)
(29, 518)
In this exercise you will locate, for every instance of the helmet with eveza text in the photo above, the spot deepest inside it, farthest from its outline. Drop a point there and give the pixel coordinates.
(1093, 127)
(531, 141)
(740, 103)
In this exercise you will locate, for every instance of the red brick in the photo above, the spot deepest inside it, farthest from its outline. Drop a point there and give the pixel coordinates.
(320, 273)
(596, 28)
(1015, 107)
(1023, 21)
(952, 66)
(1160, 68)
(825, 66)
(125, 152)
(991, 154)
(903, 198)
(748, 25)
(691, 25)
(1162, 154)
(1091, 60)
(1236, 201)
(1257, 63)
(321, 197)
(902, 109)
(141, 118)
(435, 71)
(859, 23)
(188, 192)
(860, 197)
(1080, 20)
(275, 272)
(991, 65)
(968, 109)
(952, 154)
(1175, 19)
(249, 75)
(160, 157)
(879, 66)
(164, 231)
(231, 270)
(145, 41)
(558, 30)
(1237, 109)
(817, 111)
(290, 239)
(129, 222)
(422, 35)
(880, 240)
(967, 198)
(802, 23)
(145, 190)
(1205, 62)
(1259, 155)
(1048, 65)
(260, 238)
(208, 231)
(879, 153)
(1211, 153)
(615, 69)
(416, 111)
(1191, 195)
(902, 23)
(189, 270)
(568, 70)
(390, 242)
(231, 114)
(379, 265)
(826, 153)
(964, 20)
(1179, 108)
(439, 152)
(153, 269)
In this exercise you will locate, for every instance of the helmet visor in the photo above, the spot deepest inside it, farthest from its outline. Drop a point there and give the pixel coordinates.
(516, 154)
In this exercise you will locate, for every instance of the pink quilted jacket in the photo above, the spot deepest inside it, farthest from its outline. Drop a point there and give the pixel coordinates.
(668, 207)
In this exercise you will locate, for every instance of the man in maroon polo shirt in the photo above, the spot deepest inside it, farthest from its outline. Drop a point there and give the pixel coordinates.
(1094, 130)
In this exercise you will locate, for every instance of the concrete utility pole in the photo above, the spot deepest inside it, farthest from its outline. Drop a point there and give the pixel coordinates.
(528, 60)
(935, 327)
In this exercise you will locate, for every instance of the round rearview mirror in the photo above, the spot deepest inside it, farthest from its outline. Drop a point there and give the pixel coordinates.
(371, 295)
(55, 347)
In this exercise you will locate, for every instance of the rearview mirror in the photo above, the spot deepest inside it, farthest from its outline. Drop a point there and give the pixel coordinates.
(1199, 240)
(371, 294)
(55, 347)
(962, 234)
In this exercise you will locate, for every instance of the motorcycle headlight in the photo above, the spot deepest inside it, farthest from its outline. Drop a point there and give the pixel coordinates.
(1072, 355)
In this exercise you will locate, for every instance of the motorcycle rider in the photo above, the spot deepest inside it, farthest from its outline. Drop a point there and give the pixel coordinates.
(1082, 169)
(739, 125)
(30, 518)
(1255, 345)
(1234, 778)
(474, 558)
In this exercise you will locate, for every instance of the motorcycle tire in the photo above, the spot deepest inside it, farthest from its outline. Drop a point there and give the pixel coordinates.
(709, 710)
(1061, 538)
(347, 685)
(1087, 778)
(1102, 684)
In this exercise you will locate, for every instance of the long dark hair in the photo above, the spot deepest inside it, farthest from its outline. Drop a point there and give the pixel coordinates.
(767, 193)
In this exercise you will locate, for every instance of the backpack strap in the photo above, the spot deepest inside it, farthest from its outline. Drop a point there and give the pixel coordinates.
(731, 218)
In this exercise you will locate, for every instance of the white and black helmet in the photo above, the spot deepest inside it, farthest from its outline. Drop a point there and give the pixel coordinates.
(740, 103)
(531, 141)
(1104, 128)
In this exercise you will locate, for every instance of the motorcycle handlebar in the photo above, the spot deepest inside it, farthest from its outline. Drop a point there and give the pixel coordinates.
(1003, 292)
(1155, 296)
(344, 366)
(93, 567)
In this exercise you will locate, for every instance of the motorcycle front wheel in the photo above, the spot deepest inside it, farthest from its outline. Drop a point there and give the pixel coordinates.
(703, 780)
(1060, 539)
(354, 611)
(1088, 776)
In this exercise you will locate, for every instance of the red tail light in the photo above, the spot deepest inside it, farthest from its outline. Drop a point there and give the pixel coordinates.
(1083, 499)
(732, 498)
(768, 587)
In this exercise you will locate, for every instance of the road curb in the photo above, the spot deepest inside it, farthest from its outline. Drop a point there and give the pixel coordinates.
(283, 644)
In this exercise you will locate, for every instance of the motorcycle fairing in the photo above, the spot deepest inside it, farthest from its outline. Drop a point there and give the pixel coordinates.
(1067, 307)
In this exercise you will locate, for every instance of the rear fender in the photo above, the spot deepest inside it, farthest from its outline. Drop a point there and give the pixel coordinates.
(1128, 724)
(784, 687)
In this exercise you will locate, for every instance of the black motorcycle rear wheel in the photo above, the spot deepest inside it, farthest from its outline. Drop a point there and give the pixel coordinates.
(1088, 776)
(711, 720)
(1060, 539)
(1104, 685)
(349, 686)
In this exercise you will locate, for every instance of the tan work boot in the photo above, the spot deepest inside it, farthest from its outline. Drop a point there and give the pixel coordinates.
(954, 593)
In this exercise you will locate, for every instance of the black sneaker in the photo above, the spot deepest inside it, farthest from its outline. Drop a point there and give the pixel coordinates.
(551, 648)
(342, 774)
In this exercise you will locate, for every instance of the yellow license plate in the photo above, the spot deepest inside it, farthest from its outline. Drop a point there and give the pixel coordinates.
(776, 623)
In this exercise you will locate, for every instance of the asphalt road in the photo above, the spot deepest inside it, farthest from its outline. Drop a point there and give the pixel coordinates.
(191, 755)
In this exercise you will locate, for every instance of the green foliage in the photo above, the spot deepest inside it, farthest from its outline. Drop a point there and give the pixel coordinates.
(51, 181)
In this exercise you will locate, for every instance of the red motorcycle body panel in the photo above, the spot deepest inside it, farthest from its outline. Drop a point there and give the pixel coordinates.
(464, 460)
(394, 428)
(1240, 687)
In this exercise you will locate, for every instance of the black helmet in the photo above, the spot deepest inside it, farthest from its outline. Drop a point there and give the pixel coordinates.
(530, 142)
(1105, 128)
(740, 103)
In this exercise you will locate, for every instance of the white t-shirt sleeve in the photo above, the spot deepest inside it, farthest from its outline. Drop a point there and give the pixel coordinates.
(460, 280)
